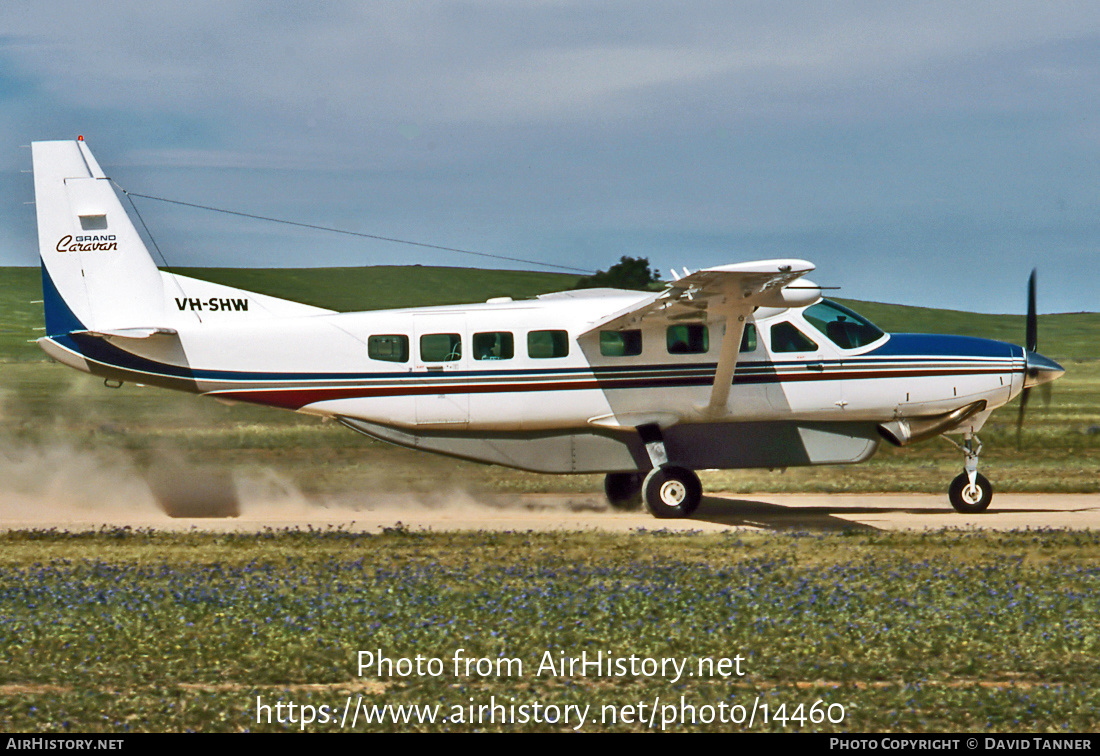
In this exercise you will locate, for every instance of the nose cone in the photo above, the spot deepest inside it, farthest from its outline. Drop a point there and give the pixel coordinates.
(1041, 370)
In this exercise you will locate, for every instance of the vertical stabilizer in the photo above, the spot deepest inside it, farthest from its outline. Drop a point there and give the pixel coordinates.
(96, 272)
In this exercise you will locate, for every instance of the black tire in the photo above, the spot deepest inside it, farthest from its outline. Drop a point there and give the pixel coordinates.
(967, 501)
(671, 492)
(624, 491)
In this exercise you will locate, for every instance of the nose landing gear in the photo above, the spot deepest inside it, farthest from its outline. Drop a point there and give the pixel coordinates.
(970, 492)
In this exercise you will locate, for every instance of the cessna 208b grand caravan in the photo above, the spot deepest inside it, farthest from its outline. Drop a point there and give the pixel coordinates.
(735, 366)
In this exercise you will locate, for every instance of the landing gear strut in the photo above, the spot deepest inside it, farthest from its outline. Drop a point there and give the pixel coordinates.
(668, 490)
(970, 492)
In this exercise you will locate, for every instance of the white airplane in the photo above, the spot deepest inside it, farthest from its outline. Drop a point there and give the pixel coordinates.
(735, 366)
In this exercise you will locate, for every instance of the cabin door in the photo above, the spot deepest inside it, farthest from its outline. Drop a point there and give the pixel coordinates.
(441, 369)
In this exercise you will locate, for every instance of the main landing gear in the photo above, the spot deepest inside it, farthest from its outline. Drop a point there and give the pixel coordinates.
(970, 492)
(668, 491)
(624, 490)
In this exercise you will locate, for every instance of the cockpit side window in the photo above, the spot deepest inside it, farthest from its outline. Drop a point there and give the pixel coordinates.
(841, 326)
(787, 338)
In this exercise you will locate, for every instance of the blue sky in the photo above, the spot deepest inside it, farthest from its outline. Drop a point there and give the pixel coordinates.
(917, 152)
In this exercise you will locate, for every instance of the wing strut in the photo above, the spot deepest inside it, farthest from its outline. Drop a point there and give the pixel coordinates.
(727, 362)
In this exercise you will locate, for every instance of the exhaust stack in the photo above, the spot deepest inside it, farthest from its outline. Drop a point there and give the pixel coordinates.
(909, 430)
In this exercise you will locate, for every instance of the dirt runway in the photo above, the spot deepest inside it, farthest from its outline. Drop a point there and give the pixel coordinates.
(547, 512)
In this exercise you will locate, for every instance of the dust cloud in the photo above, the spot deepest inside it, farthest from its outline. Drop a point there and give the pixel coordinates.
(56, 483)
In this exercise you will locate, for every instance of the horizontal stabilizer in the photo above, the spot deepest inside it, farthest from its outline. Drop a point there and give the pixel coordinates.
(130, 333)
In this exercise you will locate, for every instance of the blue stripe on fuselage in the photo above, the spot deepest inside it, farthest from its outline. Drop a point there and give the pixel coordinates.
(938, 345)
(912, 350)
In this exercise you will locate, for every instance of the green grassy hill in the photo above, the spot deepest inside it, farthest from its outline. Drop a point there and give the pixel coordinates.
(344, 289)
(45, 406)
(1066, 337)
(383, 287)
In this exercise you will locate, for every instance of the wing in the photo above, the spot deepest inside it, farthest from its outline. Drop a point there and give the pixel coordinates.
(741, 287)
(729, 293)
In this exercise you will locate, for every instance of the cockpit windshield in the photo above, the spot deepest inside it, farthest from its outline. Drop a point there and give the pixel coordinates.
(843, 327)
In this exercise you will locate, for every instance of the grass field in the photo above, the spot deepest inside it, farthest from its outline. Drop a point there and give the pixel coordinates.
(124, 630)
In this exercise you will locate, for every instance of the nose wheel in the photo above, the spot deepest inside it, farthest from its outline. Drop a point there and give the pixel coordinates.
(970, 492)
(970, 497)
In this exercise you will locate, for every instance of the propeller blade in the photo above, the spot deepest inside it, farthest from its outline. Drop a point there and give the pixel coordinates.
(1020, 418)
(1032, 340)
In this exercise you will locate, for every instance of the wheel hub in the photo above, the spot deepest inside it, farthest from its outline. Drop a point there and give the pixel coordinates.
(972, 494)
(673, 493)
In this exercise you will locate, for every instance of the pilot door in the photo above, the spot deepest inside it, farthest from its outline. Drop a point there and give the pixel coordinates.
(805, 381)
(440, 367)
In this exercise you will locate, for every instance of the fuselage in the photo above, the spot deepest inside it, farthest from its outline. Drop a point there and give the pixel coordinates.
(530, 365)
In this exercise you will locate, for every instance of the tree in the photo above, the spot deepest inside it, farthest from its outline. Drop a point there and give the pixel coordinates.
(628, 273)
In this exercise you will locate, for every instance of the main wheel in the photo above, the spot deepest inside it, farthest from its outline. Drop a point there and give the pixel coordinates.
(624, 490)
(970, 499)
(671, 492)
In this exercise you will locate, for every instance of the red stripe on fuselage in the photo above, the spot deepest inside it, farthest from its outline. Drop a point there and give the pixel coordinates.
(296, 397)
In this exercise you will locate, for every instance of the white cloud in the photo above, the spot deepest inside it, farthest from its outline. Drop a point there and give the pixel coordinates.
(504, 122)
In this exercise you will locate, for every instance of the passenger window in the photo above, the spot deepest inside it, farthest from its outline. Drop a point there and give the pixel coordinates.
(388, 348)
(440, 347)
(748, 338)
(691, 338)
(547, 344)
(620, 343)
(494, 346)
(787, 338)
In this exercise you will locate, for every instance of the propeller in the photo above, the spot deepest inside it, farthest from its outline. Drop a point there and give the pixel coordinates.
(1031, 344)
(1040, 370)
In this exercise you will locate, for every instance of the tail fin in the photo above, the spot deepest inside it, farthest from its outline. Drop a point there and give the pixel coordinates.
(96, 272)
(97, 275)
